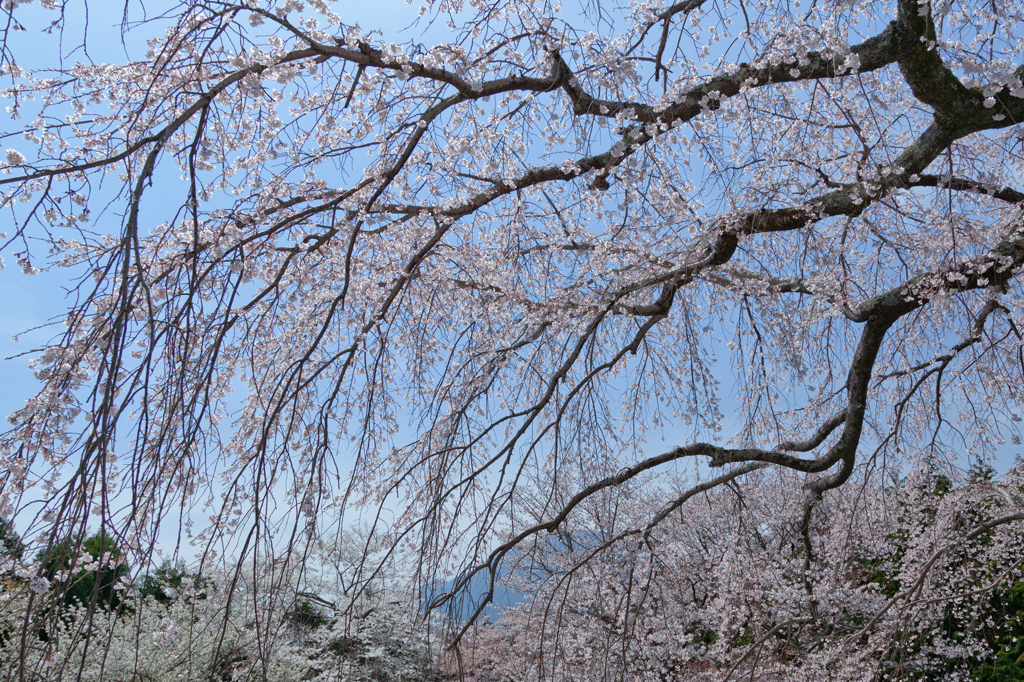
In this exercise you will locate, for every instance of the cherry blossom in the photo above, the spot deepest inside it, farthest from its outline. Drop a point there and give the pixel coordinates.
(527, 284)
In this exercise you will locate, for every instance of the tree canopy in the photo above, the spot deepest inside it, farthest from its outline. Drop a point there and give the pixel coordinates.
(525, 285)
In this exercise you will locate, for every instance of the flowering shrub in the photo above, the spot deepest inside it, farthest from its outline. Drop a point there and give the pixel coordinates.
(203, 633)
(186, 639)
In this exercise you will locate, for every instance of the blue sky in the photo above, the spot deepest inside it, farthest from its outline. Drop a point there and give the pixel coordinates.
(30, 302)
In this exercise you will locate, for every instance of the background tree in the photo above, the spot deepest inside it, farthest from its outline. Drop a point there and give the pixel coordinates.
(91, 571)
(167, 581)
(11, 544)
(465, 279)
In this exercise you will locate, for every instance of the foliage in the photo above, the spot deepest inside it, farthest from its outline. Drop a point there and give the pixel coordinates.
(11, 545)
(1003, 627)
(89, 571)
(168, 580)
(642, 304)
(306, 615)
